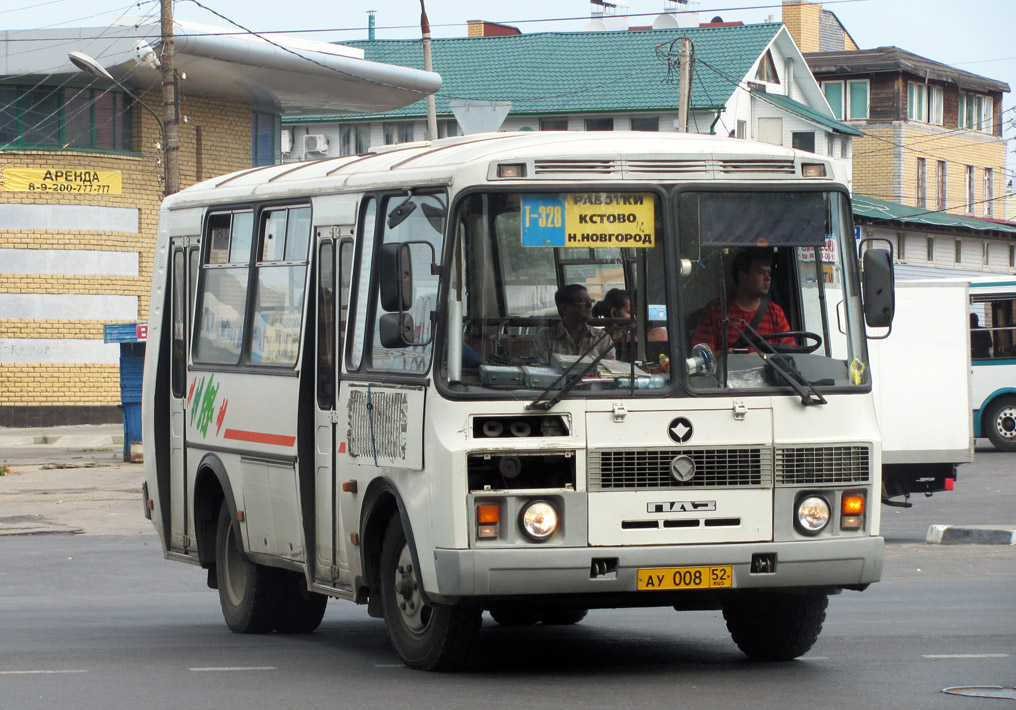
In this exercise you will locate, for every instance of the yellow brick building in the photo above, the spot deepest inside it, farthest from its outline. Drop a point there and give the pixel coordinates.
(82, 178)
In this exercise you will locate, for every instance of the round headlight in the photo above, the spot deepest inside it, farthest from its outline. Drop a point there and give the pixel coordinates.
(539, 520)
(812, 514)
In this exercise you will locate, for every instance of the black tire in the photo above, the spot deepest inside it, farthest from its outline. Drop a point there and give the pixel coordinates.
(769, 626)
(563, 616)
(426, 637)
(1000, 423)
(301, 609)
(515, 615)
(248, 593)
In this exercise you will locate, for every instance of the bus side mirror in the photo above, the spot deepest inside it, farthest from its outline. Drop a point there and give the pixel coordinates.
(878, 288)
(396, 277)
(396, 330)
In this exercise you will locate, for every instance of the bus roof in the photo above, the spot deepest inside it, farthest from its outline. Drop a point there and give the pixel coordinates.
(550, 155)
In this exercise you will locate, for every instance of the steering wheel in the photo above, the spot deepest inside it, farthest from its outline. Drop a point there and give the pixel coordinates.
(793, 349)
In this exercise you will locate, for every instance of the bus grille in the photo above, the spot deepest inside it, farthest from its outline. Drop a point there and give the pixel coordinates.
(640, 469)
(632, 167)
(811, 465)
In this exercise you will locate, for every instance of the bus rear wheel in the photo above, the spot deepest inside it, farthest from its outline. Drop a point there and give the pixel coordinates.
(248, 593)
(1000, 423)
(427, 637)
(769, 626)
(301, 610)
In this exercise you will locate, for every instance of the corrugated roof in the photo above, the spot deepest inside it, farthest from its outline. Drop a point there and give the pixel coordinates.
(588, 72)
(881, 210)
(807, 112)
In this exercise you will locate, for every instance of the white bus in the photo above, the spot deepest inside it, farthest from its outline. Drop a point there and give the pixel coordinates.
(993, 360)
(345, 395)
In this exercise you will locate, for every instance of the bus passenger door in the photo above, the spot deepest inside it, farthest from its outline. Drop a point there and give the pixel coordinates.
(184, 271)
(334, 258)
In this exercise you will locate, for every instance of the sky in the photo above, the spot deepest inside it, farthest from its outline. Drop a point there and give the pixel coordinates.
(975, 35)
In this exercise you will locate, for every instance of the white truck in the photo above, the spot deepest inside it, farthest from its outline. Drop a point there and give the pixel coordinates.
(921, 381)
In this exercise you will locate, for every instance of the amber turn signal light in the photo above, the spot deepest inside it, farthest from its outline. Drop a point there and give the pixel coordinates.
(853, 504)
(488, 514)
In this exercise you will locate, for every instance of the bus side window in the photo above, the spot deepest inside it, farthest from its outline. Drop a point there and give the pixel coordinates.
(326, 326)
(179, 359)
(281, 274)
(345, 283)
(218, 337)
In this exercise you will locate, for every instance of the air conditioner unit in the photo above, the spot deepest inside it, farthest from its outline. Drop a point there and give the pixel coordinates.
(286, 141)
(315, 143)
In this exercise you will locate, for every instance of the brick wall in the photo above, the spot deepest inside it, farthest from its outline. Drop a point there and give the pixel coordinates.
(803, 22)
(214, 139)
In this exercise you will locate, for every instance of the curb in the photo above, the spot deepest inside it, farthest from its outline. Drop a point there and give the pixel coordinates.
(67, 441)
(971, 535)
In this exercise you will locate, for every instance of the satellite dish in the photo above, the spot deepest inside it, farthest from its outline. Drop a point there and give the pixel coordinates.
(595, 26)
(665, 22)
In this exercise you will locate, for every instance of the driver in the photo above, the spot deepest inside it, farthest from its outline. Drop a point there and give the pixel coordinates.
(573, 335)
(749, 304)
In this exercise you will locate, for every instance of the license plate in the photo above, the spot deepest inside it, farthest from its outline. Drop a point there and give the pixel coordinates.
(685, 578)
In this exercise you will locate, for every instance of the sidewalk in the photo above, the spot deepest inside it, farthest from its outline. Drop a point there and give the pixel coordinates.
(69, 480)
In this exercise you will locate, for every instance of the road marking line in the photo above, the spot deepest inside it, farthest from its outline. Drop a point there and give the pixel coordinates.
(233, 668)
(966, 655)
(389, 665)
(40, 672)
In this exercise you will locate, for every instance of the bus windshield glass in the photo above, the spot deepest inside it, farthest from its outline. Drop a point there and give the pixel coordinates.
(588, 293)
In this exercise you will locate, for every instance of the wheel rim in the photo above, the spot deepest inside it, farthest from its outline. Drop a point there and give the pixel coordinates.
(1005, 423)
(235, 571)
(415, 614)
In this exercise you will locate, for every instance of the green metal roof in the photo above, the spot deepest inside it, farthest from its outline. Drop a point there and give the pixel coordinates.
(807, 112)
(561, 73)
(874, 209)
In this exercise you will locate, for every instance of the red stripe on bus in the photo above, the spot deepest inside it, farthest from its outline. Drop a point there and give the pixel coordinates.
(258, 437)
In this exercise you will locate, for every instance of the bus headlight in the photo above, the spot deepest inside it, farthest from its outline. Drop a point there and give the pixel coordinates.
(539, 520)
(812, 514)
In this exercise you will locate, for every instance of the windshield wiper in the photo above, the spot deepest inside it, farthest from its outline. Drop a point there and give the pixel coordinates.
(795, 379)
(538, 403)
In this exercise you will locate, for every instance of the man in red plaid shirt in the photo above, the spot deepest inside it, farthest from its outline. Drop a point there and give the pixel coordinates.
(752, 271)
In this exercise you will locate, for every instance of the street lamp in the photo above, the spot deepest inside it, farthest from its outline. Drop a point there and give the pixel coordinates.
(88, 65)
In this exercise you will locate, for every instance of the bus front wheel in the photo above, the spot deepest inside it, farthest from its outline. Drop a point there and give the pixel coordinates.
(426, 637)
(248, 593)
(1000, 423)
(769, 626)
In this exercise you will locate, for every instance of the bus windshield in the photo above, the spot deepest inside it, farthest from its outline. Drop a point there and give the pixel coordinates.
(587, 293)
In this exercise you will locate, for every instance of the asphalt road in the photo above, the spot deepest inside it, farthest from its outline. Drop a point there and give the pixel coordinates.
(101, 620)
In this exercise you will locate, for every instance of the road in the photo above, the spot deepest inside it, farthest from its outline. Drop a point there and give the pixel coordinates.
(100, 620)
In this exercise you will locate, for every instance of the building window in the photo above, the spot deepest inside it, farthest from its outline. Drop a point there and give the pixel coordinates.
(1012, 256)
(985, 252)
(989, 192)
(599, 124)
(400, 132)
(848, 100)
(917, 102)
(921, 187)
(958, 246)
(50, 116)
(901, 246)
(553, 124)
(935, 105)
(931, 250)
(767, 70)
(645, 124)
(803, 140)
(742, 129)
(971, 198)
(447, 129)
(976, 112)
(857, 99)
(940, 185)
(354, 139)
(264, 129)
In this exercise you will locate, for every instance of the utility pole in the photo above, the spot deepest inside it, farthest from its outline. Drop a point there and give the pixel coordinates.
(170, 110)
(428, 65)
(684, 99)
